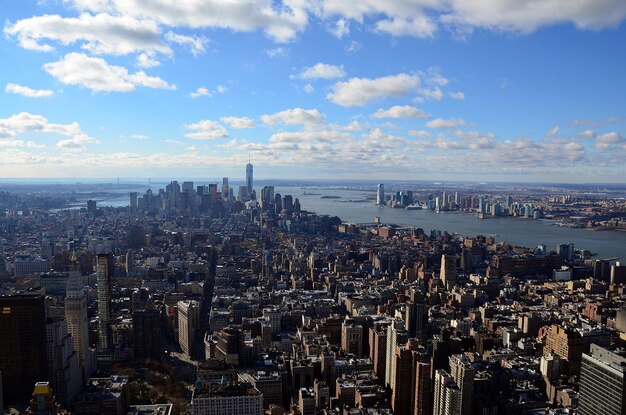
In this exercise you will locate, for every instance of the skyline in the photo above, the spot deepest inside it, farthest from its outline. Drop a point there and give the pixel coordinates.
(423, 90)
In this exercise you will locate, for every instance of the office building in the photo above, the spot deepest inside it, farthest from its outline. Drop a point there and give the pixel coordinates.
(226, 399)
(133, 202)
(602, 382)
(447, 397)
(78, 322)
(423, 387)
(23, 359)
(188, 320)
(448, 271)
(103, 281)
(380, 194)
(43, 400)
(147, 335)
(64, 372)
(250, 179)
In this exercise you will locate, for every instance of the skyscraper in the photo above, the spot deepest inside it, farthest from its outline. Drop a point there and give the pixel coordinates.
(447, 273)
(78, 322)
(147, 338)
(602, 387)
(64, 371)
(22, 345)
(103, 280)
(380, 194)
(250, 179)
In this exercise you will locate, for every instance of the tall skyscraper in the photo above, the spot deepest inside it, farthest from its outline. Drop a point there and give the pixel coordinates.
(103, 280)
(380, 194)
(64, 371)
(22, 345)
(602, 382)
(423, 385)
(133, 202)
(448, 270)
(78, 322)
(188, 318)
(250, 179)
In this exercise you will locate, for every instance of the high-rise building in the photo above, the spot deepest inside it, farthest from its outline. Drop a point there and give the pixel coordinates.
(188, 319)
(133, 202)
(147, 336)
(43, 401)
(403, 395)
(64, 372)
(463, 374)
(423, 388)
(103, 281)
(1, 396)
(447, 273)
(378, 353)
(602, 382)
(225, 190)
(78, 322)
(447, 399)
(396, 335)
(22, 345)
(250, 179)
(380, 194)
(234, 398)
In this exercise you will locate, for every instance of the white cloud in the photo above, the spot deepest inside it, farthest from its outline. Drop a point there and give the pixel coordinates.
(446, 123)
(308, 88)
(277, 52)
(459, 96)
(147, 60)
(434, 93)
(341, 28)
(322, 71)
(206, 130)
(27, 92)
(204, 92)
(553, 131)
(138, 137)
(25, 122)
(280, 21)
(400, 111)
(96, 74)
(361, 91)
(294, 116)
(416, 26)
(201, 92)
(239, 122)
(99, 34)
(197, 44)
(78, 142)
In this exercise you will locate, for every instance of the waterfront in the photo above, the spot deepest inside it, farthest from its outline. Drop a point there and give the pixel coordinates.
(354, 206)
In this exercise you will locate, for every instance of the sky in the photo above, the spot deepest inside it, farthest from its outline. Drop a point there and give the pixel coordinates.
(485, 90)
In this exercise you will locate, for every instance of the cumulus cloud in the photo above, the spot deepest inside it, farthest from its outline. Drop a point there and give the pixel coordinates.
(201, 92)
(96, 74)
(322, 71)
(416, 26)
(308, 88)
(27, 92)
(294, 116)
(446, 123)
(99, 34)
(400, 111)
(341, 28)
(277, 52)
(138, 137)
(206, 130)
(281, 21)
(239, 122)
(361, 91)
(25, 122)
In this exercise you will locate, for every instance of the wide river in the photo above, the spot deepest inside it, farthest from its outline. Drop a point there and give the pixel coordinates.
(516, 231)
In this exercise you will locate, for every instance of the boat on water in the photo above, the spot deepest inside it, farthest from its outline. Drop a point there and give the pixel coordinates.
(414, 207)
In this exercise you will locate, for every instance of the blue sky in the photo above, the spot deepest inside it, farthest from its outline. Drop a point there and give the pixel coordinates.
(490, 90)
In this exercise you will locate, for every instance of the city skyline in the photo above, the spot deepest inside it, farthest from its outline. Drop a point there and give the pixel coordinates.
(424, 90)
